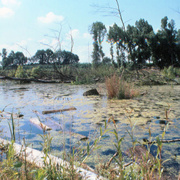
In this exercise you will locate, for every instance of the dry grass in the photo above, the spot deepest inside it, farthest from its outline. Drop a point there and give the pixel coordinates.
(117, 87)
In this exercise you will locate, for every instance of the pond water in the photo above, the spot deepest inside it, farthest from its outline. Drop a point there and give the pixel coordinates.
(158, 105)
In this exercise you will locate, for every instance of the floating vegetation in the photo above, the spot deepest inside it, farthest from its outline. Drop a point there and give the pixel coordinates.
(153, 109)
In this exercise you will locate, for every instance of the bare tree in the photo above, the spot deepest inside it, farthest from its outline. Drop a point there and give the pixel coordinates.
(111, 11)
(58, 48)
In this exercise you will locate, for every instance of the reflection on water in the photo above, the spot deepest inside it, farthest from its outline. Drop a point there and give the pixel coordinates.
(152, 111)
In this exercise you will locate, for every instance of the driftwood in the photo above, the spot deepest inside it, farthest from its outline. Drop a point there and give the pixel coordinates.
(29, 79)
(77, 135)
(109, 162)
(138, 153)
(59, 110)
(8, 115)
(36, 157)
(40, 124)
(163, 141)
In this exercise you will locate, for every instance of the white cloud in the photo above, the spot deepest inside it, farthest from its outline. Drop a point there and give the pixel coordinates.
(6, 12)
(10, 2)
(84, 53)
(87, 36)
(50, 17)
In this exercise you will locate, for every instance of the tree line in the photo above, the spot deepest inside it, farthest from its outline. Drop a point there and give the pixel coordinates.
(41, 57)
(138, 44)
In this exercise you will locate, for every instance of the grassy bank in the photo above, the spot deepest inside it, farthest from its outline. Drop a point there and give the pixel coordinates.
(87, 74)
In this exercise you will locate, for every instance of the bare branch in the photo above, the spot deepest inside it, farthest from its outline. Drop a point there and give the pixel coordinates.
(24, 49)
(120, 15)
(110, 11)
(72, 40)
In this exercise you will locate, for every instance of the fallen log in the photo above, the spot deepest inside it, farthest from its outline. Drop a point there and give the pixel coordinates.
(60, 128)
(29, 79)
(8, 115)
(109, 162)
(138, 153)
(37, 122)
(59, 110)
(36, 157)
(163, 141)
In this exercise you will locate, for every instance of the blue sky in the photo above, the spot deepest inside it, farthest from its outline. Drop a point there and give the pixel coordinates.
(29, 25)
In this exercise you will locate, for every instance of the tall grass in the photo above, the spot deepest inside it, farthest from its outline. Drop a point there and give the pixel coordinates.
(118, 88)
(146, 168)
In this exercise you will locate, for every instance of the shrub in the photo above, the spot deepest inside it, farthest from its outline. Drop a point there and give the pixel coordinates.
(169, 72)
(20, 73)
(118, 88)
(36, 72)
(112, 86)
(11, 73)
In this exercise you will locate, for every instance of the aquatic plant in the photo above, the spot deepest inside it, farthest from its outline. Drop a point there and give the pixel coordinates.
(118, 88)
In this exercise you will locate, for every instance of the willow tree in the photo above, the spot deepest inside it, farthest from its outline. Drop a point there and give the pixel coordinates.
(138, 41)
(98, 31)
(116, 35)
(165, 50)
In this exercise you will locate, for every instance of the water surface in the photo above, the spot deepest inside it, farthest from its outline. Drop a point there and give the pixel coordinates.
(153, 111)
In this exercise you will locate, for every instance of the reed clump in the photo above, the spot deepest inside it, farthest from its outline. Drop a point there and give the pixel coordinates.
(118, 88)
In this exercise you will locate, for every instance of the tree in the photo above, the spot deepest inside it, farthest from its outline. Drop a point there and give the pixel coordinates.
(19, 58)
(40, 56)
(98, 30)
(178, 46)
(49, 56)
(138, 39)
(165, 49)
(4, 58)
(66, 57)
(116, 35)
(44, 56)
(106, 60)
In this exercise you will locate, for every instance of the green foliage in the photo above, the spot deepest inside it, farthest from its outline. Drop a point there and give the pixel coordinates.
(66, 57)
(145, 168)
(36, 72)
(20, 73)
(169, 72)
(98, 30)
(12, 128)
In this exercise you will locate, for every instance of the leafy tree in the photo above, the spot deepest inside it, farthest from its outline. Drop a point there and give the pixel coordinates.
(44, 56)
(4, 58)
(98, 30)
(106, 60)
(66, 57)
(116, 35)
(165, 48)
(40, 56)
(138, 39)
(11, 57)
(19, 58)
(178, 46)
(49, 56)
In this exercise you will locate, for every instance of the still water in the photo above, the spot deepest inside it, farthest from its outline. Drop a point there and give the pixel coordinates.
(159, 105)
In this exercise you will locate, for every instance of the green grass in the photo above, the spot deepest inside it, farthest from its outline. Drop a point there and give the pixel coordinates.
(148, 167)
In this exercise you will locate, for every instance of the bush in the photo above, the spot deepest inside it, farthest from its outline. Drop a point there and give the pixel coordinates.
(169, 72)
(20, 73)
(36, 72)
(118, 88)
